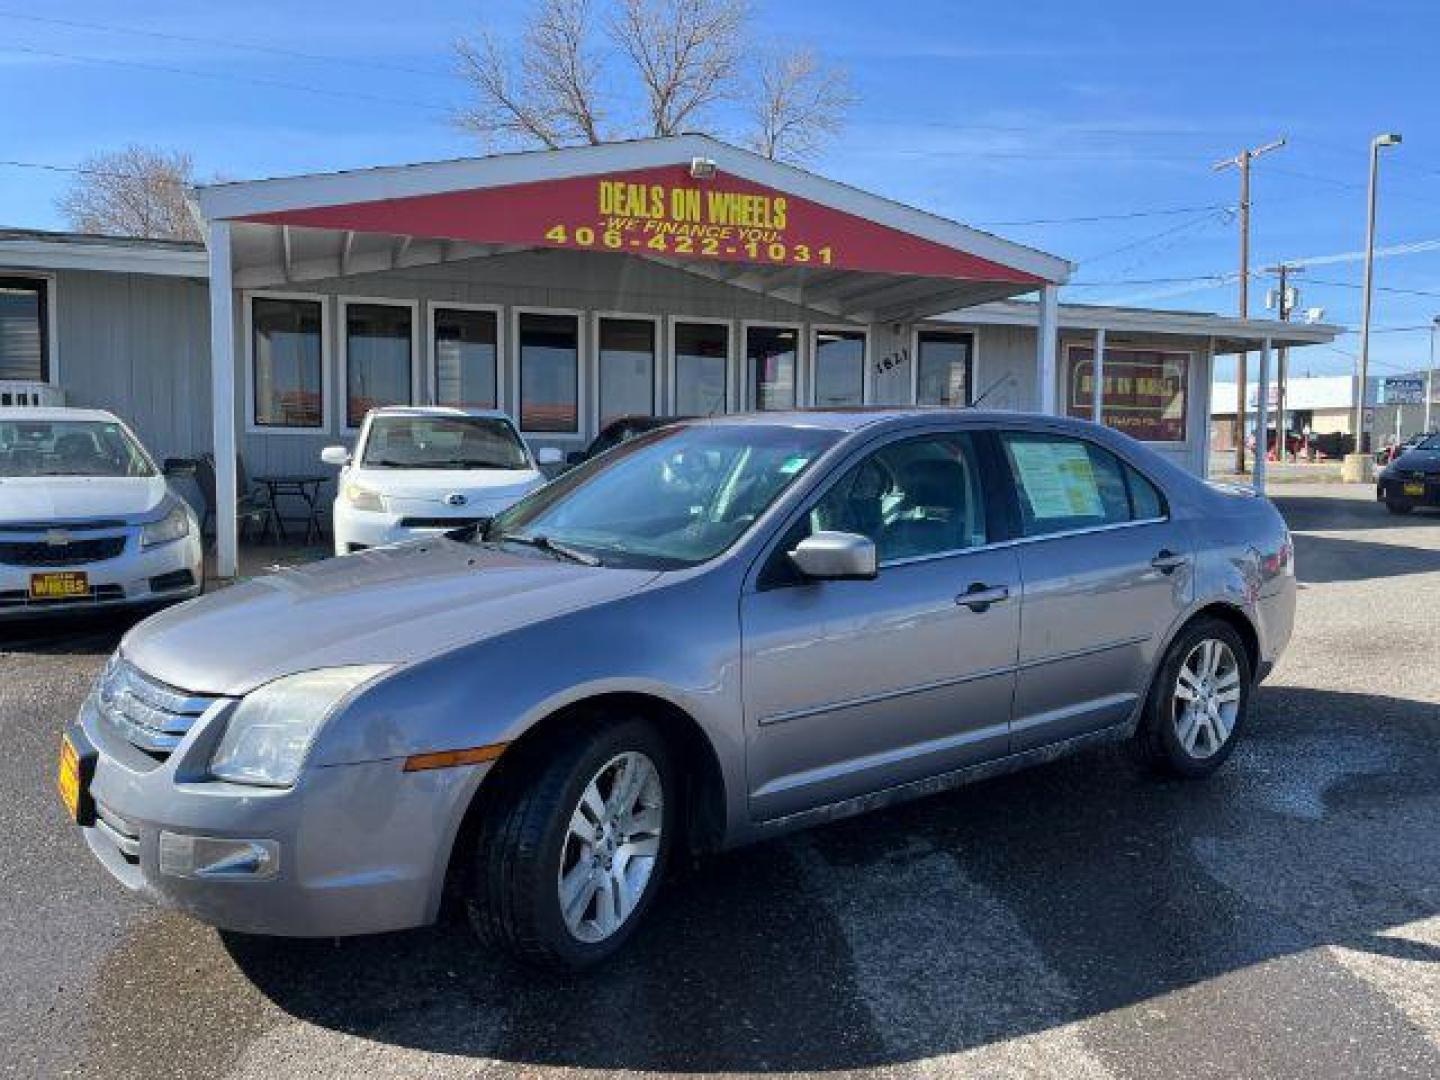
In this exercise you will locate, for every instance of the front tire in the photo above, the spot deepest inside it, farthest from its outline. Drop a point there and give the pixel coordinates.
(573, 845)
(1198, 702)
(1398, 506)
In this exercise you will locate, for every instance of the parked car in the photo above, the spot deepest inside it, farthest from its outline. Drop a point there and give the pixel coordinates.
(420, 471)
(1412, 478)
(1390, 451)
(87, 519)
(618, 431)
(721, 630)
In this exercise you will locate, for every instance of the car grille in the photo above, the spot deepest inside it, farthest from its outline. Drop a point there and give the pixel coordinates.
(70, 553)
(21, 598)
(443, 522)
(144, 712)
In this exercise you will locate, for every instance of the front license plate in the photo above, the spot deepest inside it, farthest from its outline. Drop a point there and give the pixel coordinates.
(69, 779)
(59, 585)
(1417, 490)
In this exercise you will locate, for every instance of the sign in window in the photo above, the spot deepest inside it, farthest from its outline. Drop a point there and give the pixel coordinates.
(1146, 391)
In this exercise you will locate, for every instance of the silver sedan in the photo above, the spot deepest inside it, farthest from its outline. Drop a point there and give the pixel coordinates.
(720, 631)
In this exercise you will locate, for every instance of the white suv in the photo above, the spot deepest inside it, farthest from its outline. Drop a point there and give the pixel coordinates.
(420, 471)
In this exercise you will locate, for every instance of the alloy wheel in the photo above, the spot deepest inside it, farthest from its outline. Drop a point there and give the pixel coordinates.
(1207, 698)
(609, 851)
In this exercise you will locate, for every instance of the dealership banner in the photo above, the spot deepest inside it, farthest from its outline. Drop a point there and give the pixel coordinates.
(662, 213)
(1145, 392)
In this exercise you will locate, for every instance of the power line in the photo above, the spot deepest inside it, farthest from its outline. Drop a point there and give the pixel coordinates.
(1209, 218)
(1168, 212)
(228, 43)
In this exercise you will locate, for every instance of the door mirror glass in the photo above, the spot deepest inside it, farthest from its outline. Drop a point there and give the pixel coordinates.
(335, 455)
(179, 466)
(836, 556)
(548, 455)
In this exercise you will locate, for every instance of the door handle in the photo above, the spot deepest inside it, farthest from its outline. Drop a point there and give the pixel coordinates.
(979, 596)
(1167, 562)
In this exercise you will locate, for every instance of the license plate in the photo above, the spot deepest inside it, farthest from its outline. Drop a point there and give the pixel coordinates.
(1417, 490)
(59, 585)
(69, 779)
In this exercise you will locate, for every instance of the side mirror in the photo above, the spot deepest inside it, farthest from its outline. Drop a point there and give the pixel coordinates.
(836, 556)
(178, 466)
(548, 455)
(576, 457)
(335, 455)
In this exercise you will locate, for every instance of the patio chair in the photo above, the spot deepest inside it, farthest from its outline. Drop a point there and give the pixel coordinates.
(251, 505)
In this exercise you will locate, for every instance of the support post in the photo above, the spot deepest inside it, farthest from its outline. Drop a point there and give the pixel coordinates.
(1047, 333)
(1097, 403)
(1262, 418)
(1209, 377)
(222, 396)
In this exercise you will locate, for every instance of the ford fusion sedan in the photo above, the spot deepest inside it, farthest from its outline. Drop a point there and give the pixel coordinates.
(1412, 479)
(86, 518)
(716, 632)
(419, 471)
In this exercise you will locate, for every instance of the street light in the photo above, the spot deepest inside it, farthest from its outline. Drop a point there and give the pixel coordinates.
(1362, 437)
(1430, 375)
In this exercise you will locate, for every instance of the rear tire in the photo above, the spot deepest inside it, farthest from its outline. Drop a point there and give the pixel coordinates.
(1198, 702)
(1398, 506)
(573, 845)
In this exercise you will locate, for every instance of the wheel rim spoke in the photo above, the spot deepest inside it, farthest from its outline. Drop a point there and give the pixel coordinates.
(1207, 697)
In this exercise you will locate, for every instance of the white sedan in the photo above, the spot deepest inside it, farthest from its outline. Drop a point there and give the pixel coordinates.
(86, 517)
(420, 471)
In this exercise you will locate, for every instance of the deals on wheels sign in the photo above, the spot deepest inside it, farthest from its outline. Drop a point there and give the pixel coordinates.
(662, 212)
(1145, 392)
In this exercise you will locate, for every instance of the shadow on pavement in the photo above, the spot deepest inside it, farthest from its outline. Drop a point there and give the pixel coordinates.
(1004, 909)
(1336, 512)
(69, 633)
(1320, 559)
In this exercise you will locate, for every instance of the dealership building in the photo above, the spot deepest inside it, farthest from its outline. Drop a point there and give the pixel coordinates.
(676, 276)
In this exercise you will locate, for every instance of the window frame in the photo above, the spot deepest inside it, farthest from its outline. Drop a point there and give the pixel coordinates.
(1011, 497)
(327, 416)
(432, 368)
(46, 285)
(656, 367)
(417, 391)
(972, 378)
(814, 360)
(672, 370)
(749, 399)
(581, 434)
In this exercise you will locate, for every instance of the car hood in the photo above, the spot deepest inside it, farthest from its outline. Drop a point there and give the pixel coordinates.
(1426, 461)
(58, 499)
(388, 605)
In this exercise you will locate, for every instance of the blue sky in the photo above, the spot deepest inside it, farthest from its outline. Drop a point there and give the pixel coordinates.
(993, 114)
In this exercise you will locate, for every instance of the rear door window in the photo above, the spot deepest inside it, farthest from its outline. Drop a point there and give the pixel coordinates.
(1063, 484)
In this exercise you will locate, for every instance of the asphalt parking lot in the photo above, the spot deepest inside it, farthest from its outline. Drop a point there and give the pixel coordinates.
(1081, 920)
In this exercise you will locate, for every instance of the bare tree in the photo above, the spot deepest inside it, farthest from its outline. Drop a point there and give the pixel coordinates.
(554, 97)
(677, 59)
(798, 104)
(137, 191)
(686, 53)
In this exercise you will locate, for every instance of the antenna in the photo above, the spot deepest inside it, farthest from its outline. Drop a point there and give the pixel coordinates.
(1007, 377)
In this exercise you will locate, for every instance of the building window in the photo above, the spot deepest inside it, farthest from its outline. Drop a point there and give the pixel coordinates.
(702, 361)
(549, 372)
(287, 363)
(379, 367)
(466, 350)
(770, 362)
(839, 367)
(1146, 391)
(627, 368)
(24, 330)
(943, 368)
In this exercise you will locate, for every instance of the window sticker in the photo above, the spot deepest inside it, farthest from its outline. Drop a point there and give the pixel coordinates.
(1058, 479)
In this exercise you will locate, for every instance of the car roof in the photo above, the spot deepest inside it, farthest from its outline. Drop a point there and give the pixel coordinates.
(870, 416)
(439, 410)
(56, 412)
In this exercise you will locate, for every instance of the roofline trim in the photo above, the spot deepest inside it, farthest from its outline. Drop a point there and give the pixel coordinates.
(1145, 320)
(111, 258)
(248, 198)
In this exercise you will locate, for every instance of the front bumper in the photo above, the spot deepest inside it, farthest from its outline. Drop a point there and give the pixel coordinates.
(358, 849)
(1392, 489)
(166, 573)
(356, 530)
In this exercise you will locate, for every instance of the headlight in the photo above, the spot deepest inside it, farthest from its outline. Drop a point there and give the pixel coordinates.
(270, 732)
(362, 498)
(172, 526)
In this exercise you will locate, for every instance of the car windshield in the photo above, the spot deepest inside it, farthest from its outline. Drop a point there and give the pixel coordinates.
(443, 442)
(666, 499)
(70, 448)
(1430, 443)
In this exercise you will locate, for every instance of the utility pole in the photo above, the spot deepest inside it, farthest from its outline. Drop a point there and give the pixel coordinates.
(1242, 162)
(1430, 375)
(1285, 304)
